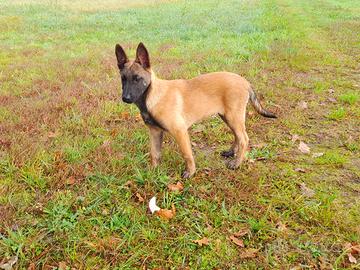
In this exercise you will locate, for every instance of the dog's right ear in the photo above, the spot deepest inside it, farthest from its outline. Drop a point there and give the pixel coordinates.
(122, 59)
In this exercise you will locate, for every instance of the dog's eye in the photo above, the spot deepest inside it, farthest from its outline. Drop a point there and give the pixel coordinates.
(136, 78)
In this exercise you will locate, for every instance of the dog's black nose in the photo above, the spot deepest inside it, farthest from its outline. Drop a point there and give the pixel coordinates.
(126, 100)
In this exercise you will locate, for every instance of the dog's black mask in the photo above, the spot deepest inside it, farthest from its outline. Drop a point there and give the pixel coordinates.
(136, 75)
(134, 83)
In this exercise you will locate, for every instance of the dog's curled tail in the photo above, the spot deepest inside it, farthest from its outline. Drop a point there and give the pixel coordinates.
(257, 106)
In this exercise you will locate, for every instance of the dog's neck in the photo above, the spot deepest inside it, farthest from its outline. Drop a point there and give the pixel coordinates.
(146, 102)
(155, 92)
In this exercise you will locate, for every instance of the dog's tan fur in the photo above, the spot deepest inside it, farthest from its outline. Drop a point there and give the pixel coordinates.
(177, 104)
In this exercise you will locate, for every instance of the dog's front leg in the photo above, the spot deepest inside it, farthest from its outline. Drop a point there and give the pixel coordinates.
(182, 138)
(156, 139)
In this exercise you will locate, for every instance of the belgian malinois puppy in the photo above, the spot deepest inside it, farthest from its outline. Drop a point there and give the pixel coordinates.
(174, 105)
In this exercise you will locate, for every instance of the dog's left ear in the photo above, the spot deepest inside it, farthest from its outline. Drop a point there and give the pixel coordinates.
(142, 56)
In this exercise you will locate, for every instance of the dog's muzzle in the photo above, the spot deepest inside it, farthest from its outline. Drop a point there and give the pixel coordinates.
(126, 100)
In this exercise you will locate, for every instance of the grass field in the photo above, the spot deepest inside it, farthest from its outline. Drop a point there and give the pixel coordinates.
(73, 157)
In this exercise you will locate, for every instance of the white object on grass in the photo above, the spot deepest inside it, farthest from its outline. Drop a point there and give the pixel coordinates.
(152, 205)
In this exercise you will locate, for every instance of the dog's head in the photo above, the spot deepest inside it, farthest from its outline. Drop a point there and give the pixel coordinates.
(135, 75)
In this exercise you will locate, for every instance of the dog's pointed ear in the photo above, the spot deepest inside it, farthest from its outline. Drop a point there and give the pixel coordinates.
(142, 56)
(122, 59)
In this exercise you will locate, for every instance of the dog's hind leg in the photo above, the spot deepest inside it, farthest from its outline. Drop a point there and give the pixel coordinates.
(232, 150)
(236, 122)
(156, 138)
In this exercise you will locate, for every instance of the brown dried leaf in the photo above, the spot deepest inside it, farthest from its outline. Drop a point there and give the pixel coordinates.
(166, 213)
(10, 263)
(178, 187)
(31, 266)
(351, 258)
(294, 138)
(125, 115)
(249, 253)
(355, 249)
(62, 266)
(241, 232)
(300, 170)
(304, 148)
(139, 197)
(71, 180)
(307, 192)
(204, 241)
(237, 241)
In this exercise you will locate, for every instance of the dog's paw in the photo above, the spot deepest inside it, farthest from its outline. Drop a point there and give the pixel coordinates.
(229, 153)
(186, 174)
(232, 165)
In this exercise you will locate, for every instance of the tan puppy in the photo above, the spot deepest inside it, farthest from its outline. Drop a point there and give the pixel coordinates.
(174, 105)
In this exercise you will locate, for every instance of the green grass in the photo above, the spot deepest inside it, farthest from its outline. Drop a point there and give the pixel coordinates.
(69, 147)
(350, 97)
(337, 114)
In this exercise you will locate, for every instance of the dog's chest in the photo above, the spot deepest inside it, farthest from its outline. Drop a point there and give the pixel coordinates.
(146, 115)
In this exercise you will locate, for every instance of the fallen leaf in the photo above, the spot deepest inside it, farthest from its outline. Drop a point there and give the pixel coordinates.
(333, 100)
(295, 137)
(316, 155)
(178, 187)
(71, 180)
(300, 170)
(62, 266)
(125, 115)
(10, 263)
(355, 249)
(249, 253)
(166, 213)
(204, 241)
(237, 241)
(304, 148)
(307, 192)
(138, 117)
(351, 258)
(302, 105)
(31, 266)
(139, 197)
(241, 232)
(113, 133)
